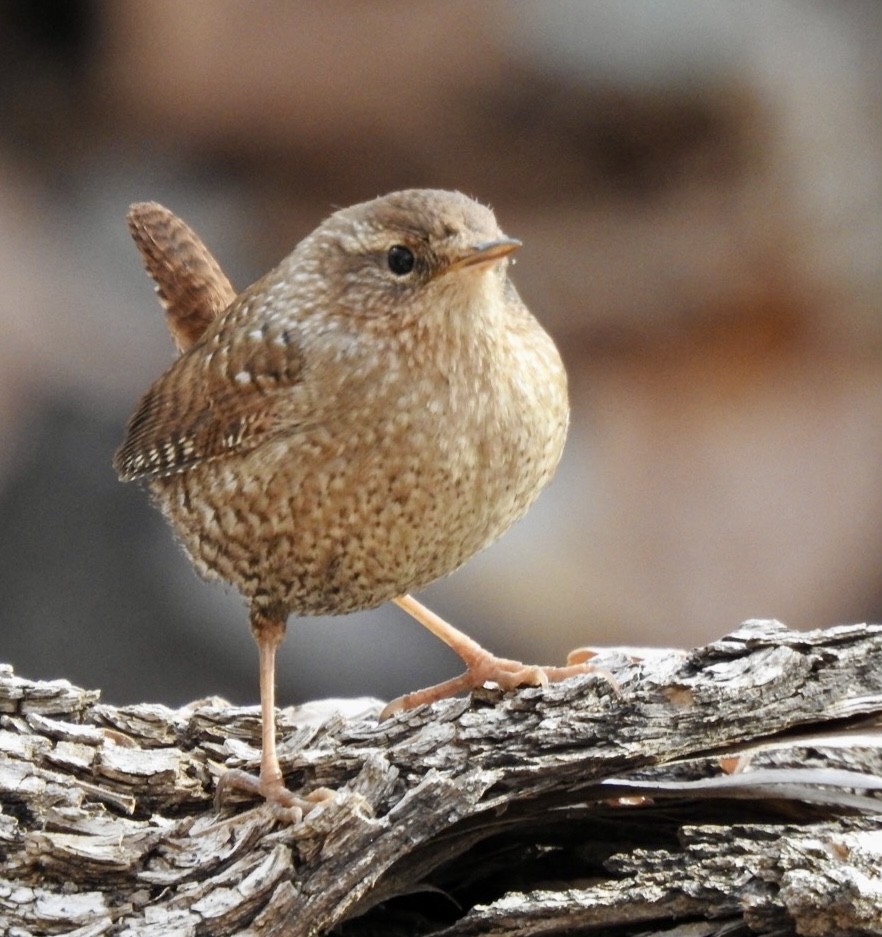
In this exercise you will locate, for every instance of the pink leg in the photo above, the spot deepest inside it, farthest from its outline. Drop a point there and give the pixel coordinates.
(481, 665)
(268, 632)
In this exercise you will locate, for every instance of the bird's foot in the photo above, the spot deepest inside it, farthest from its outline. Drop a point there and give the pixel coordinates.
(287, 805)
(506, 674)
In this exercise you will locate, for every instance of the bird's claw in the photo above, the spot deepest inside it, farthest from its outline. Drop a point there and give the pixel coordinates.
(506, 674)
(286, 805)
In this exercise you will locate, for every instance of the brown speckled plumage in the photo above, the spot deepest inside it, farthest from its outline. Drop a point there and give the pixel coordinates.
(344, 433)
(190, 284)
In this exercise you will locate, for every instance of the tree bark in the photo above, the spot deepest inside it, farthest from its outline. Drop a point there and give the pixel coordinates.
(728, 790)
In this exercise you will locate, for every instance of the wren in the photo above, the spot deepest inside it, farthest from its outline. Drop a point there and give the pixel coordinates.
(353, 426)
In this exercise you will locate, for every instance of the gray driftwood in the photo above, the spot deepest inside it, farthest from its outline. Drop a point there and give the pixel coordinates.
(729, 790)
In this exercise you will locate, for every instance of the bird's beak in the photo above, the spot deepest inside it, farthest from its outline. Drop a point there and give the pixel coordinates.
(487, 252)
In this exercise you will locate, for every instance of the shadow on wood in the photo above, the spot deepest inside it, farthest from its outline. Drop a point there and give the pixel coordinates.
(727, 790)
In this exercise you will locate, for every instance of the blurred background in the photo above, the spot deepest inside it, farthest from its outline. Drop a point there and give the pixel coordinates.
(699, 190)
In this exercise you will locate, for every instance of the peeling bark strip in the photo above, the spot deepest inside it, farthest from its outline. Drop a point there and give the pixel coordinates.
(736, 786)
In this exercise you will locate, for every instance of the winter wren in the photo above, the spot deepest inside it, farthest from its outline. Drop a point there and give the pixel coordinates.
(353, 426)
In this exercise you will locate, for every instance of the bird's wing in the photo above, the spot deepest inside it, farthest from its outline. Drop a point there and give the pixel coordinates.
(189, 282)
(226, 394)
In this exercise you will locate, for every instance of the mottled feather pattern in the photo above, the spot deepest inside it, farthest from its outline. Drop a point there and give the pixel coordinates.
(356, 424)
(341, 434)
(203, 408)
(189, 282)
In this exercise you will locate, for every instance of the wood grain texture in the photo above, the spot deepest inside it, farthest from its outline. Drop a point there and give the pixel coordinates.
(734, 786)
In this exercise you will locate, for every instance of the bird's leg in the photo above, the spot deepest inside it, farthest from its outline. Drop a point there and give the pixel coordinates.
(269, 630)
(481, 665)
(268, 633)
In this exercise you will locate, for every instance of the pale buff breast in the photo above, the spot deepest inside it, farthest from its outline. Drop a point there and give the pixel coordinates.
(350, 514)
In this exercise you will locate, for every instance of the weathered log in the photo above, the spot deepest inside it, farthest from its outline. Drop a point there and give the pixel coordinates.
(731, 789)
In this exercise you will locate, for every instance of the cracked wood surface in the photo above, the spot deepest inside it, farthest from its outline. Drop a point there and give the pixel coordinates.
(731, 789)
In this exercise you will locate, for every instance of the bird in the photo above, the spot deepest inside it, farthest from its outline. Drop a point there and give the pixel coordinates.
(355, 425)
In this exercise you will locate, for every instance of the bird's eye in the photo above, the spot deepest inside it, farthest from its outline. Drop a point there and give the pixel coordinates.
(400, 260)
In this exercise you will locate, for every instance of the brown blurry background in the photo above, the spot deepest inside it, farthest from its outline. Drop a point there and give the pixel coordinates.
(699, 190)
